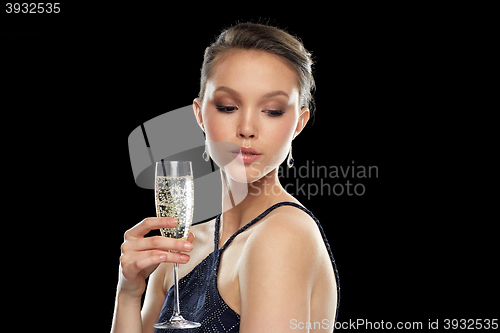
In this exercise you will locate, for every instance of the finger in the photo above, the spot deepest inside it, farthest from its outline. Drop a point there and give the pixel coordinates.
(148, 224)
(190, 237)
(143, 260)
(133, 264)
(157, 243)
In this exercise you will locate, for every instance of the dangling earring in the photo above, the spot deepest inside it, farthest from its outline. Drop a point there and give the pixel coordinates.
(205, 155)
(289, 160)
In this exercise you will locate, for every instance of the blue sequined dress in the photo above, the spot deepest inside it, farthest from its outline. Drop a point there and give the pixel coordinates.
(199, 297)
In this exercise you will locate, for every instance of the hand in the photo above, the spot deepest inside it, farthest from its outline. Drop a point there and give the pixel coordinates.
(141, 256)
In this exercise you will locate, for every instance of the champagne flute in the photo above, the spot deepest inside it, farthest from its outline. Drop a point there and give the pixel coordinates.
(174, 198)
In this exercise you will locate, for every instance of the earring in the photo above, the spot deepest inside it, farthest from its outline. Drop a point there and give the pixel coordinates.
(205, 155)
(289, 160)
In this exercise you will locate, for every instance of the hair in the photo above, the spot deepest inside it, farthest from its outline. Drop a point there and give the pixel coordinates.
(252, 36)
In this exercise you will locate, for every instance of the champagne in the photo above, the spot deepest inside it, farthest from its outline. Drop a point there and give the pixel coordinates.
(174, 198)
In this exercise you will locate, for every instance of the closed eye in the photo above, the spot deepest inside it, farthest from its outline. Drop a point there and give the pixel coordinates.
(227, 109)
(274, 113)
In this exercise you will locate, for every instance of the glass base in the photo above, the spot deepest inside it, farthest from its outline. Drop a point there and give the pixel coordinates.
(177, 322)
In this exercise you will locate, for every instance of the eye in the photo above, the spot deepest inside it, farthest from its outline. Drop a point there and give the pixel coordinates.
(227, 109)
(274, 113)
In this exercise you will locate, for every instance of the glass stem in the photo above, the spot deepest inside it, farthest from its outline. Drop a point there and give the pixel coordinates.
(177, 310)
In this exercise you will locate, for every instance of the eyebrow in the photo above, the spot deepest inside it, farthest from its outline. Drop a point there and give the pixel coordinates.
(228, 90)
(277, 93)
(237, 94)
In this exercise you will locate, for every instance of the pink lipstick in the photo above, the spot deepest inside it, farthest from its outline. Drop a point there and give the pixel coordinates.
(246, 155)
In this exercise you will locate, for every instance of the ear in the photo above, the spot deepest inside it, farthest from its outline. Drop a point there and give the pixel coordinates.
(301, 123)
(197, 112)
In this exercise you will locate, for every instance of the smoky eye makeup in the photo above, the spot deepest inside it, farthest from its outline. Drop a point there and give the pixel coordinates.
(274, 109)
(226, 108)
(274, 113)
(230, 109)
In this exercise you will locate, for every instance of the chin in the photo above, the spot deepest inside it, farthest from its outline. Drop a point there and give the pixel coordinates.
(240, 172)
(248, 172)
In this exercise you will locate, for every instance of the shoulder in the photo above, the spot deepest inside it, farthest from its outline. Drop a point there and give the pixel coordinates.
(286, 239)
(284, 226)
(278, 270)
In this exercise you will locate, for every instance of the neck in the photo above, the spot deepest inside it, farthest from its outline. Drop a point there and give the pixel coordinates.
(243, 201)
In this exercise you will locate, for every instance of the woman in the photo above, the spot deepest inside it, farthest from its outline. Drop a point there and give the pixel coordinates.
(264, 264)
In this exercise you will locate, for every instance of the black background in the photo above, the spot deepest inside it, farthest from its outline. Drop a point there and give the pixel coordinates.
(415, 246)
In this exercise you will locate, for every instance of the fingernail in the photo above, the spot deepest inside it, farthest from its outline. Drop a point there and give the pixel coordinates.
(188, 246)
(184, 257)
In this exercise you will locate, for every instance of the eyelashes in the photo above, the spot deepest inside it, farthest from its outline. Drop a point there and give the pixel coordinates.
(274, 113)
(231, 109)
(227, 109)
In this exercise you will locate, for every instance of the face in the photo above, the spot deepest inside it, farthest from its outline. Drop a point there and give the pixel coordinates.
(250, 113)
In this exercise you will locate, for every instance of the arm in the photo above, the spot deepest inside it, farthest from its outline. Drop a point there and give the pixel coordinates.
(127, 314)
(277, 275)
(154, 298)
(140, 258)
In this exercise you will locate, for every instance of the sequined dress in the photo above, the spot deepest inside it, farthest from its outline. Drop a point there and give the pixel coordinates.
(199, 296)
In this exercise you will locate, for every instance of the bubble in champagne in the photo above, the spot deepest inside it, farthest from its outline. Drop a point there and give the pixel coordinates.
(174, 198)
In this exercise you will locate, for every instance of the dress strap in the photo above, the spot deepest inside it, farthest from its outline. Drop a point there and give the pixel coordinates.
(249, 224)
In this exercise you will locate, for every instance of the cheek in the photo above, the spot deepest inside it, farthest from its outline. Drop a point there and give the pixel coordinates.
(279, 140)
(216, 128)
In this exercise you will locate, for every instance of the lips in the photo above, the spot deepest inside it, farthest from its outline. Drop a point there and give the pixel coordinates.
(247, 155)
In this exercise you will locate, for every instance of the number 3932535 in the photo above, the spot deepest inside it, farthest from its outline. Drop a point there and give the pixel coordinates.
(32, 8)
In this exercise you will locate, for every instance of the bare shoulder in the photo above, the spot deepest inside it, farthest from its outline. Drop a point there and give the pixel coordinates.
(288, 232)
(279, 268)
(285, 224)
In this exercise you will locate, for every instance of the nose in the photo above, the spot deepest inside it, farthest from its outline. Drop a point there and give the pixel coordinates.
(247, 126)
